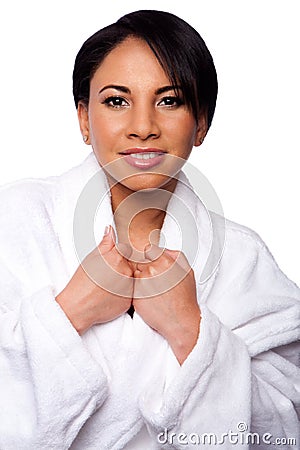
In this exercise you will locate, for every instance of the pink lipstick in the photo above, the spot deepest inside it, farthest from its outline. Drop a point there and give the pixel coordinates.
(143, 158)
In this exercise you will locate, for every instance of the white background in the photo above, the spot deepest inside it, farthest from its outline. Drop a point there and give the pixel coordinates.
(251, 154)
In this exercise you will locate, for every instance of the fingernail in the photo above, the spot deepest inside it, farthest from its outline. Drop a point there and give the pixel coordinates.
(106, 230)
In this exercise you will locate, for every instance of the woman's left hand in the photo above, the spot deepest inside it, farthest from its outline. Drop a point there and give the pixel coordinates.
(168, 303)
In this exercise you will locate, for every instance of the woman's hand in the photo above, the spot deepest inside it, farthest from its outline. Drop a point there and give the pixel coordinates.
(165, 297)
(101, 289)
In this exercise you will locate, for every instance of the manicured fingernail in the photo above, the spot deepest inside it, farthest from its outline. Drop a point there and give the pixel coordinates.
(106, 230)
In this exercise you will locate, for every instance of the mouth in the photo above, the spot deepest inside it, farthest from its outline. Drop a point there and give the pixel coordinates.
(143, 158)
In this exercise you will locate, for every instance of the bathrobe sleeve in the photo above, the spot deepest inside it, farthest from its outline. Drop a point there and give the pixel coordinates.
(242, 375)
(49, 384)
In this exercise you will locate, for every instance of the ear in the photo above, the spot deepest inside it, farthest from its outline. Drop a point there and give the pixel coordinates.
(83, 118)
(201, 129)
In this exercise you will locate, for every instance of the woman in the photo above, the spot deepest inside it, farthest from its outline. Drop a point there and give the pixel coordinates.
(197, 359)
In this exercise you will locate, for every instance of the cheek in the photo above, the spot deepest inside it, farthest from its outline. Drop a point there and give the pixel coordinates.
(105, 128)
(182, 130)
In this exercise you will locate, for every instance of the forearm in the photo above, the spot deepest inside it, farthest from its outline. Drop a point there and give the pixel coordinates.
(219, 387)
(79, 316)
(204, 396)
(183, 336)
(52, 383)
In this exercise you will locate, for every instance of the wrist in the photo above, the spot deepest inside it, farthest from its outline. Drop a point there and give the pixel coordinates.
(182, 339)
(77, 319)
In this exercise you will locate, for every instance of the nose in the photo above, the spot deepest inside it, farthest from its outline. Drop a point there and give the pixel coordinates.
(143, 124)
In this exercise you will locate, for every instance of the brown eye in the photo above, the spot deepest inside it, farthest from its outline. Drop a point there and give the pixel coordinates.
(115, 102)
(170, 101)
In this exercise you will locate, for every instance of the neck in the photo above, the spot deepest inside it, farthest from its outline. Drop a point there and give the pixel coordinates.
(138, 213)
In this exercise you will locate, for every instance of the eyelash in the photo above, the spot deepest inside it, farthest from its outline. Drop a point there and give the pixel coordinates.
(109, 101)
(177, 101)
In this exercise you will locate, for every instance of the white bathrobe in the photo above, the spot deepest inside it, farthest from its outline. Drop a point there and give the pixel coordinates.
(119, 385)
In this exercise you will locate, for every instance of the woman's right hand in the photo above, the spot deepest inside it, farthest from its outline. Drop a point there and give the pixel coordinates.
(87, 299)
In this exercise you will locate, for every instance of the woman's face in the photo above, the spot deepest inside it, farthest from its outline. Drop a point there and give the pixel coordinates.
(135, 119)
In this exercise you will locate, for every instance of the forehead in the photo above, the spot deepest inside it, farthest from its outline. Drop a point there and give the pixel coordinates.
(131, 62)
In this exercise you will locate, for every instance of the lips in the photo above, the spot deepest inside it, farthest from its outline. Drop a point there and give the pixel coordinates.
(136, 150)
(143, 158)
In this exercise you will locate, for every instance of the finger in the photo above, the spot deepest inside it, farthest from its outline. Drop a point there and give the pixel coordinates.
(108, 240)
(137, 273)
(179, 258)
(152, 252)
(124, 249)
(145, 271)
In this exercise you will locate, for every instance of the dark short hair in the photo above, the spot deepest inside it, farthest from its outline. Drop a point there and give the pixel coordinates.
(179, 48)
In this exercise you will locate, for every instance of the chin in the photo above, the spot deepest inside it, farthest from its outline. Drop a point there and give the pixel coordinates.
(143, 181)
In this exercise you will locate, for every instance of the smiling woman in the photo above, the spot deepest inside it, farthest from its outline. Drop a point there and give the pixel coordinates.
(133, 342)
(135, 114)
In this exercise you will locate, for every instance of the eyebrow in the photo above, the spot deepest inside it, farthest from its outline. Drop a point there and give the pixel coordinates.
(126, 90)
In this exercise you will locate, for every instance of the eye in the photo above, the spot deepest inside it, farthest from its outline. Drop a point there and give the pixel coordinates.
(171, 101)
(115, 101)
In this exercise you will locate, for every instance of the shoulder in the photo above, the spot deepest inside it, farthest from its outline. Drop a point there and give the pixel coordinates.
(238, 239)
(236, 246)
(245, 257)
(27, 191)
(247, 261)
(28, 208)
(235, 233)
(26, 202)
(26, 216)
(251, 294)
(241, 233)
(31, 197)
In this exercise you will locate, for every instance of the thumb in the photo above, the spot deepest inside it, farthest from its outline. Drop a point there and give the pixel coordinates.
(179, 258)
(152, 252)
(108, 240)
(124, 249)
